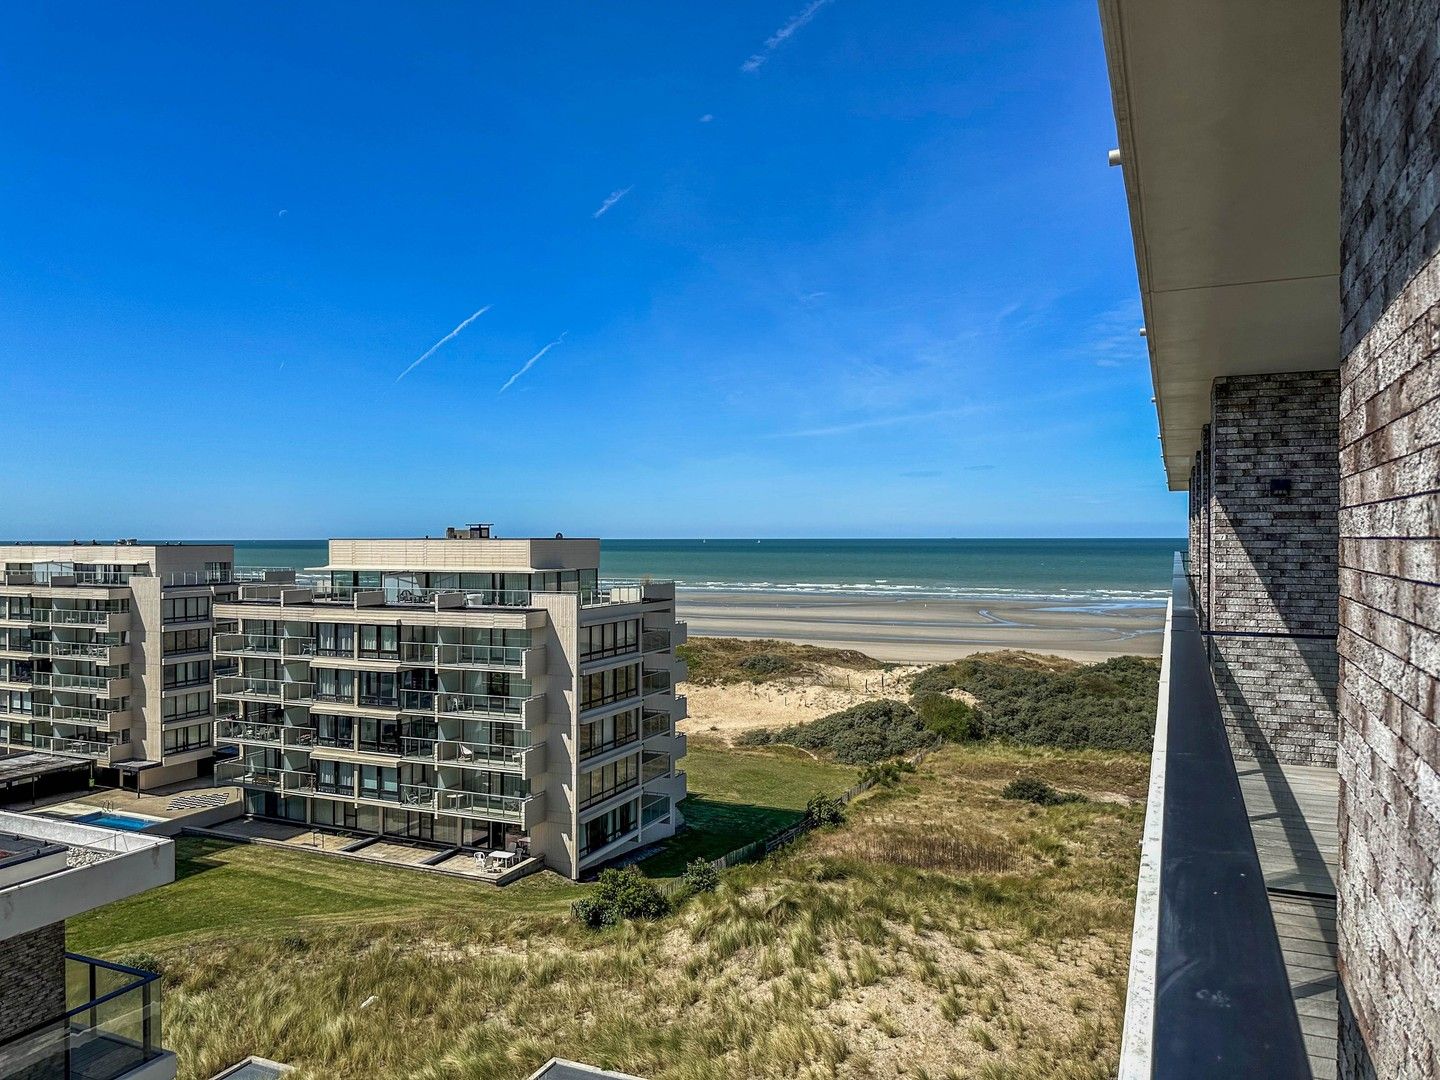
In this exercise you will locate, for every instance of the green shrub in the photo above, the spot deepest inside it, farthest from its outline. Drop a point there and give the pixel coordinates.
(621, 894)
(886, 773)
(950, 718)
(766, 663)
(824, 810)
(1034, 790)
(701, 876)
(1048, 702)
(862, 735)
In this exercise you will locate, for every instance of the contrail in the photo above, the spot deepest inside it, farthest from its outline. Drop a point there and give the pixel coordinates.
(612, 199)
(779, 37)
(531, 363)
(431, 351)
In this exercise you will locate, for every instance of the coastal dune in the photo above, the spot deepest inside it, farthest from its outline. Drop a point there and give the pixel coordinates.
(915, 630)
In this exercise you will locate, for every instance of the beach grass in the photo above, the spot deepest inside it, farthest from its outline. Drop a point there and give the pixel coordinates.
(943, 931)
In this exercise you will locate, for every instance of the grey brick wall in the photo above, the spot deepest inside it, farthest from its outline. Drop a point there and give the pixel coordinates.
(32, 989)
(1390, 154)
(1266, 487)
(1389, 760)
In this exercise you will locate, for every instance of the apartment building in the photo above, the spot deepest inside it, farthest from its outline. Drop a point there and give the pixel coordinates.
(467, 691)
(105, 654)
(64, 1016)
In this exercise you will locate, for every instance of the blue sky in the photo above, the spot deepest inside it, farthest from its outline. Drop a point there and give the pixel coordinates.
(843, 268)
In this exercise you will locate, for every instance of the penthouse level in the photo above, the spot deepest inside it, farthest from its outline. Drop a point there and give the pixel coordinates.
(470, 692)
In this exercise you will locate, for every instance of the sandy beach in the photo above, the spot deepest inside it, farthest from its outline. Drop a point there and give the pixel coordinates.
(926, 631)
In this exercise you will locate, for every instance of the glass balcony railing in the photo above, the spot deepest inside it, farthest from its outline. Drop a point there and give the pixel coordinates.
(109, 1029)
(445, 704)
(481, 804)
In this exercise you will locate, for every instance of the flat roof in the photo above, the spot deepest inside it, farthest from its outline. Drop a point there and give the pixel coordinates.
(1228, 118)
(31, 765)
(563, 1069)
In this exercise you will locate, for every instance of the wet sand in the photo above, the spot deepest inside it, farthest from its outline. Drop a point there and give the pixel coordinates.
(926, 631)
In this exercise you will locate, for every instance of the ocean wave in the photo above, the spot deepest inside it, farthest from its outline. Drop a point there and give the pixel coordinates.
(1064, 596)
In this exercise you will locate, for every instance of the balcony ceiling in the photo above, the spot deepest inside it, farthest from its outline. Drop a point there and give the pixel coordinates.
(1228, 114)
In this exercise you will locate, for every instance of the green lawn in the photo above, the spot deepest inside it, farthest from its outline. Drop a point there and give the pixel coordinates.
(738, 795)
(222, 887)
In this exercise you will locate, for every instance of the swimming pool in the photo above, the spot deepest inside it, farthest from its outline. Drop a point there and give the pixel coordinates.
(107, 819)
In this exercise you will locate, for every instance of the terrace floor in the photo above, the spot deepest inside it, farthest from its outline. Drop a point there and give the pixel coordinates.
(1293, 811)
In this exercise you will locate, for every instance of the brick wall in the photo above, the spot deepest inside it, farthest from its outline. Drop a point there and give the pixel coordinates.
(1268, 486)
(33, 987)
(1389, 886)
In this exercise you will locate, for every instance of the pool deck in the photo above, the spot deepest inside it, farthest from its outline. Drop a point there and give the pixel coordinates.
(179, 806)
(1293, 811)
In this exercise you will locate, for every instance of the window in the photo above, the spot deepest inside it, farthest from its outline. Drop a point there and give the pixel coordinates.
(332, 685)
(185, 706)
(380, 736)
(609, 732)
(607, 828)
(608, 780)
(653, 808)
(185, 608)
(217, 572)
(334, 730)
(335, 639)
(378, 782)
(186, 641)
(603, 687)
(191, 737)
(609, 639)
(192, 673)
(336, 777)
(381, 641)
(378, 688)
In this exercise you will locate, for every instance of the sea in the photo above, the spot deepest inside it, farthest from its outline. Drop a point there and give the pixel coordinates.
(1092, 573)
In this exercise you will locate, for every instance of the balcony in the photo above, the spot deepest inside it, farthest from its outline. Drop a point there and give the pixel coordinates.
(110, 1029)
(98, 652)
(273, 690)
(438, 703)
(247, 644)
(247, 731)
(297, 648)
(524, 809)
(99, 685)
(67, 747)
(1214, 985)
(109, 622)
(655, 641)
(655, 722)
(80, 714)
(656, 682)
(268, 777)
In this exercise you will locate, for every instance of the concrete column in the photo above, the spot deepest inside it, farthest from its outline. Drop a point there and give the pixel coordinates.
(32, 990)
(1271, 550)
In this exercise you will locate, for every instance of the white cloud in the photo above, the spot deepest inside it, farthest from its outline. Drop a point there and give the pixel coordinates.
(707, 118)
(876, 422)
(611, 199)
(431, 351)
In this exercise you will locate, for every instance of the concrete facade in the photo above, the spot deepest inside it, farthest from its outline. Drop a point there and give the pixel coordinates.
(466, 693)
(1264, 528)
(105, 654)
(1389, 886)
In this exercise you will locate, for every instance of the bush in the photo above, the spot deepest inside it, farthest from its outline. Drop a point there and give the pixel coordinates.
(1034, 790)
(824, 810)
(1047, 701)
(701, 876)
(621, 894)
(950, 718)
(886, 773)
(766, 663)
(862, 735)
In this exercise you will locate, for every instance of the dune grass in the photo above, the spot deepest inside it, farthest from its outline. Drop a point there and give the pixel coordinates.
(944, 931)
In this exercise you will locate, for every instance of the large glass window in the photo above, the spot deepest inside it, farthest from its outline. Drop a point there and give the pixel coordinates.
(334, 730)
(184, 641)
(608, 827)
(600, 784)
(609, 639)
(189, 737)
(380, 641)
(333, 685)
(378, 688)
(380, 736)
(185, 608)
(335, 639)
(185, 706)
(190, 673)
(607, 733)
(603, 687)
(335, 777)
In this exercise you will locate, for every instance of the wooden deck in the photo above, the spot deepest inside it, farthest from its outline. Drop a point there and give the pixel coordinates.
(1293, 811)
